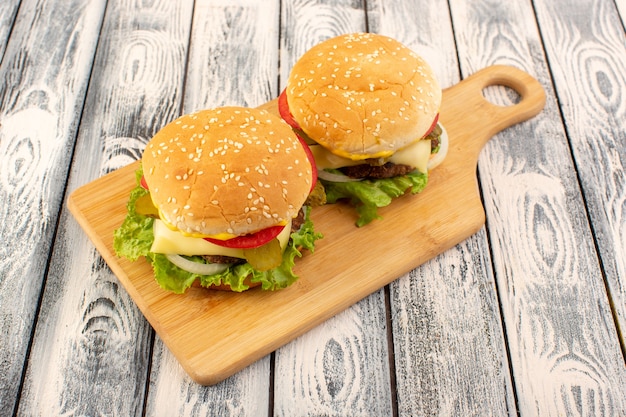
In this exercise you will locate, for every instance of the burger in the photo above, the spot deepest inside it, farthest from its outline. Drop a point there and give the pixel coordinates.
(369, 107)
(219, 202)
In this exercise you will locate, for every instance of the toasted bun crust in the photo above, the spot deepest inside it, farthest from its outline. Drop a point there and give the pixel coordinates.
(230, 170)
(363, 95)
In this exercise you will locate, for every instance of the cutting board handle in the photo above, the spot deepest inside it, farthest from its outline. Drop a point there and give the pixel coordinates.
(532, 95)
(481, 119)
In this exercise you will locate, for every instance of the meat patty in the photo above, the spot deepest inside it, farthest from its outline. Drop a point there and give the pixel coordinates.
(296, 222)
(220, 259)
(387, 170)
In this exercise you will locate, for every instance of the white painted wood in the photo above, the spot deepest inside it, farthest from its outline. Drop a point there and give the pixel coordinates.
(91, 346)
(592, 96)
(450, 354)
(565, 353)
(448, 343)
(173, 393)
(621, 7)
(8, 10)
(233, 60)
(43, 78)
(234, 54)
(341, 367)
(90, 353)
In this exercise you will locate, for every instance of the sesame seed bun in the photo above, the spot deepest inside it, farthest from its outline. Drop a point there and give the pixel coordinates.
(226, 171)
(363, 95)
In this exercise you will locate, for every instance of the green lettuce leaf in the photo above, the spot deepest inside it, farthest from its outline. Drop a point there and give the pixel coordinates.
(368, 195)
(134, 239)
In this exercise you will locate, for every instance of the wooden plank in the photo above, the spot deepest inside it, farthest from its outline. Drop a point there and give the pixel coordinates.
(233, 60)
(234, 55)
(564, 349)
(43, 78)
(340, 367)
(621, 7)
(449, 348)
(173, 393)
(90, 353)
(8, 11)
(591, 93)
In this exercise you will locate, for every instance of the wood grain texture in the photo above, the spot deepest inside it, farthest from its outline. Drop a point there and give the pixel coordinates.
(90, 353)
(174, 393)
(553, 190)
(43, 77)
(341, 368)
(621, 7)
(234, 54)
(8, 10)
(594, 110)
(226, 35)
(564, 348)
(448, 344)
(449, 348)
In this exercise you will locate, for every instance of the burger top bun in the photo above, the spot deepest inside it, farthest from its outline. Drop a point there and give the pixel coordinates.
(363, 95)
(226, 172)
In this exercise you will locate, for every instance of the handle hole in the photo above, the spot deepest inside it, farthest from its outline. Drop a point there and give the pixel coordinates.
(501, 95)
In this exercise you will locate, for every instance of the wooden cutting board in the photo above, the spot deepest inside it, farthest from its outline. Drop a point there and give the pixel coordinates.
(214, 334)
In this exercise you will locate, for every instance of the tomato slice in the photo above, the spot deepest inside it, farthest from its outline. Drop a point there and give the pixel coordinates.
(253, 240)
(143, 183)
(432, 126)
(311, 159)
(283, 109)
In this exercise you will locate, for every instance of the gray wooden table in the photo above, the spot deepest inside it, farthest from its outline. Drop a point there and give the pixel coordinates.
(522, 318)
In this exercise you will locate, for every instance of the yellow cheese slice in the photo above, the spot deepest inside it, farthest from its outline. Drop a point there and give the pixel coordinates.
(415, 155)
(325, 159)
(169, 241)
